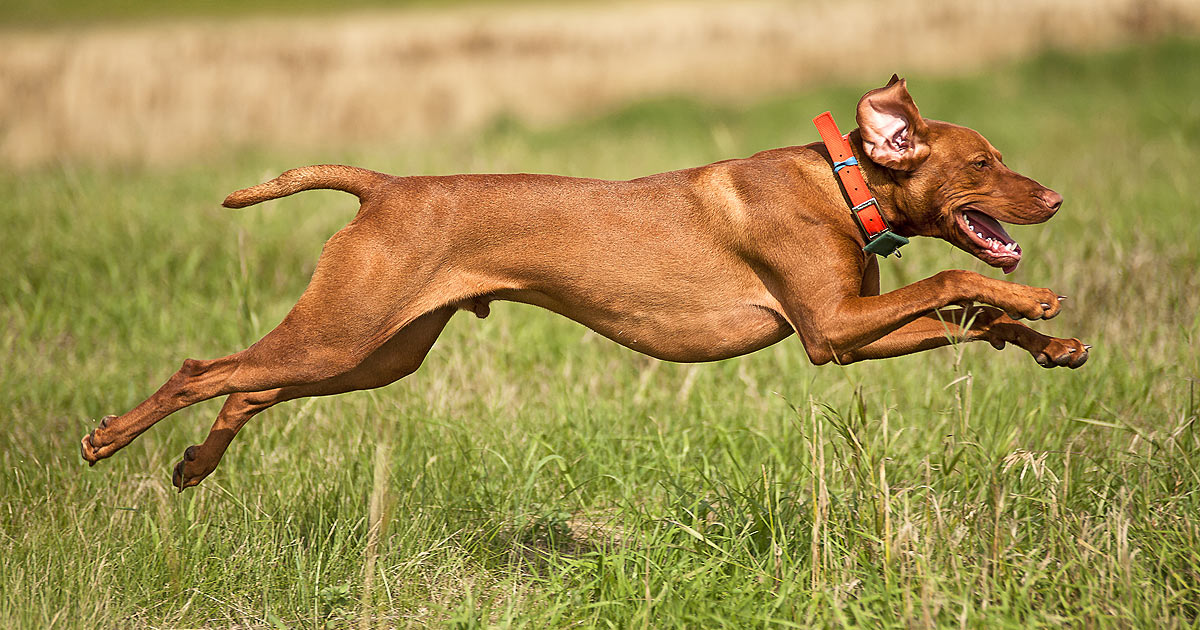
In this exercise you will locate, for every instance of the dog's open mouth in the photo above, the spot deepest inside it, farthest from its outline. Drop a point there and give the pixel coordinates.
(992, 244)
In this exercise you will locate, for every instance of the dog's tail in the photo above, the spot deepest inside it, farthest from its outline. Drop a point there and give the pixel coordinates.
(356, 181)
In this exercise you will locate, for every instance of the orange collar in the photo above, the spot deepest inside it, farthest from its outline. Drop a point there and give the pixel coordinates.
(881, 239)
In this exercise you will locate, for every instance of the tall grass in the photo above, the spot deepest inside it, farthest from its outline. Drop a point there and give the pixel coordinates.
(533, 474)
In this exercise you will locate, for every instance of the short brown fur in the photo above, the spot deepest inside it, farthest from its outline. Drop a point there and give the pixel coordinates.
(700, 264)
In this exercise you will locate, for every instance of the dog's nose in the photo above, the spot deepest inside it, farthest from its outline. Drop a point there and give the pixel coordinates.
(1052, 199)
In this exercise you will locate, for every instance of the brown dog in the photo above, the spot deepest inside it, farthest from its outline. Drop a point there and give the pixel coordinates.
(694, 265)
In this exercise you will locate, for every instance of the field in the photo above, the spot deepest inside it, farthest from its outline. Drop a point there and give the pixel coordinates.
(533, 474)
(176, 90)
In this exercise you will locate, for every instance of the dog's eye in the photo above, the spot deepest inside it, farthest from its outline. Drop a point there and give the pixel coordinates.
(980, 163)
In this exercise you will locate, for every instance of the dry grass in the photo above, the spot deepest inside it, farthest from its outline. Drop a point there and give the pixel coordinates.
(536, 475)
(169, 91)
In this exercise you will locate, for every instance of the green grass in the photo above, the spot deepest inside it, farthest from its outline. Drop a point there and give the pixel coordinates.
(533, 474)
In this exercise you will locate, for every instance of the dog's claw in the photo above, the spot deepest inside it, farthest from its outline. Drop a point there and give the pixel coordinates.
(1062, 298)
(87, 444)
(177, 475)
(1086, 347)
(87, 450)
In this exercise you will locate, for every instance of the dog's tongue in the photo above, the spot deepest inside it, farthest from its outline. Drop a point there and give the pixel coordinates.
(989, 229)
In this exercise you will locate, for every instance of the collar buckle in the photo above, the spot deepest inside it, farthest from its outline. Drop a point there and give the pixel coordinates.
(883, 243)
(881, 240)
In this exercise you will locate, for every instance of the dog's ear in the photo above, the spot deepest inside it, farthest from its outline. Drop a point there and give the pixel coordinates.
(893, 132)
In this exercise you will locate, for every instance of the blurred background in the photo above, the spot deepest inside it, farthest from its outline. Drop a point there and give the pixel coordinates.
(538, 474)
(150, 82)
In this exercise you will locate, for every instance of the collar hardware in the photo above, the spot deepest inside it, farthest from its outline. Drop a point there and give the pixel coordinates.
(881, 240)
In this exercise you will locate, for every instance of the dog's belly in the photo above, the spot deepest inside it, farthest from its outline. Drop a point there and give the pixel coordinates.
(651, 264)
(683, 332)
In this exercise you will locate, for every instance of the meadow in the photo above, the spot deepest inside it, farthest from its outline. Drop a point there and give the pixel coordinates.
(147, 87)
(533, 474)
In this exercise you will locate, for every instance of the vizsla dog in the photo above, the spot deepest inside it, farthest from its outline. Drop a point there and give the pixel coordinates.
(694, 265)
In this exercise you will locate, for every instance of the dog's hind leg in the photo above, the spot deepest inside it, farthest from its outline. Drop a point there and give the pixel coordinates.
(358, 299)
(398, 357)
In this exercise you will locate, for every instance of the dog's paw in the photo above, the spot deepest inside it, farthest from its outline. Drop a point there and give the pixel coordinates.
(1033, 303)
(1070, 353)
(94, 447)
(190, 470)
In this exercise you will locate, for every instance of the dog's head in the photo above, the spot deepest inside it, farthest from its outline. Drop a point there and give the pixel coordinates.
(950, 182)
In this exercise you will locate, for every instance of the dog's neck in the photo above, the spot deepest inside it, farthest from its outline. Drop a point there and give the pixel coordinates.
(884, 187)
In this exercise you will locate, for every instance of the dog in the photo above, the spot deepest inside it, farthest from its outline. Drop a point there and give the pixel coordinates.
(700, 264)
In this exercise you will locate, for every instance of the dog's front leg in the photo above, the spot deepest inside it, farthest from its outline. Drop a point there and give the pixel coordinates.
(977, 323)
(832, 318)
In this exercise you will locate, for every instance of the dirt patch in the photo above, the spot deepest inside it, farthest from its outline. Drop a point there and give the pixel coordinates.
(166, 91)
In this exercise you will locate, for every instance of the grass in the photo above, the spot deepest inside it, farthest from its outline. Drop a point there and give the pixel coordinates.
(25, 13)
(533, 474)
(145, 92)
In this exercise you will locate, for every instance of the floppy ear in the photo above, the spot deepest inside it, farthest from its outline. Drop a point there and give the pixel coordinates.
(893, 132)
